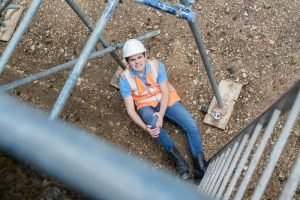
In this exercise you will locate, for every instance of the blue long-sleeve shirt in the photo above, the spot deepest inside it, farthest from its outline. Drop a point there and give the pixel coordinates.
(125, 87)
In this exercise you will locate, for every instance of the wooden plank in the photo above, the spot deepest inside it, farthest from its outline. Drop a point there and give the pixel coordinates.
(11, 19)
(230, 92)
(115, 79)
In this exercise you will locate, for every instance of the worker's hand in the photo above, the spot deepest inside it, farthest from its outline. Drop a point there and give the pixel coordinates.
(159, 122)
(154, 132)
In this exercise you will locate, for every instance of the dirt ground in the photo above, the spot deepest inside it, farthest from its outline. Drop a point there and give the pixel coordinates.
(253, 42)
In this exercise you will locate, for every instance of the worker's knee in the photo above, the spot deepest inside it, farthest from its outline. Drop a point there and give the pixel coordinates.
(165, 141)
(146, 114)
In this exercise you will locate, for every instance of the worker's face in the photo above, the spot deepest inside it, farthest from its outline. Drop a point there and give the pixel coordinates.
(137, 62)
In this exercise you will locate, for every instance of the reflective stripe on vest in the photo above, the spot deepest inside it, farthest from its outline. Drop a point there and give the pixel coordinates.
(149, 94)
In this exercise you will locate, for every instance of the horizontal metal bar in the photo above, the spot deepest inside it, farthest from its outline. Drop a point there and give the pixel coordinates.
(232, 166)
(188, 3)
(82, 161)
(179, 10)
(68, 65)
(218, 171)
(211, 177)
(258, 153)
(3, 24)
(17, 36)
(4, 5)
(51, 71)
(242, 162)
(215, 171)
(90, 26)
(13, 7)
(221, 167)
(278, 148)
(225, 169)
(82, 60)
(283, 103)
(292, 183)
(207, 175)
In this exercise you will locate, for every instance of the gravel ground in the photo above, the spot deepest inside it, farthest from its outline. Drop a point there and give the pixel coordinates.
(256, 43)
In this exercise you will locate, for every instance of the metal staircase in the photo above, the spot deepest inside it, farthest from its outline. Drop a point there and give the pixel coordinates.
(235, 165)
(230, 171)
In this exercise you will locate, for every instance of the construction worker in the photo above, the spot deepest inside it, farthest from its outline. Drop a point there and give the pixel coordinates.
(150, 98)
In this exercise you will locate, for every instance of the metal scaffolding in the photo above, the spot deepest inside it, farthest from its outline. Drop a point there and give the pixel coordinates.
(246, 151)
(225, 168)
(158, 186)
(82, 161)
(17, 36)
(183, 11)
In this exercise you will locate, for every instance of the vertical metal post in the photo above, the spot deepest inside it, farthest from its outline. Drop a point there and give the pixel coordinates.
(292, 183)
(278, 148)
(90, 26)
(258, 154)
(90, 45)
(16, 38)
(243, 161)
(85, 19)
(202, 50)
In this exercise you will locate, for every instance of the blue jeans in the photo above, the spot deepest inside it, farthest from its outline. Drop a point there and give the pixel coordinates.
(181, 117)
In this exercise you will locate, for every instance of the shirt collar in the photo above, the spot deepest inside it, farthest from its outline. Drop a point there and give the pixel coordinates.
(138, 74)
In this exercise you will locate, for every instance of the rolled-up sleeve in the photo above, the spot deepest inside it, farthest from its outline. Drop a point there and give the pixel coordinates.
(162, 74)
(124, 88)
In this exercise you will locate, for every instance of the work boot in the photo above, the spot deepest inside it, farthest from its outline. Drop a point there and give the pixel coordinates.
(199, 167)
(181, 165)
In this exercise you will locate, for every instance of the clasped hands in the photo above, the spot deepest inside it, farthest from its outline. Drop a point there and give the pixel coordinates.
(154, 132)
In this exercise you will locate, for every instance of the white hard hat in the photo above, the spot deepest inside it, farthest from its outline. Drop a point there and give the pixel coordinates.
(133, 47)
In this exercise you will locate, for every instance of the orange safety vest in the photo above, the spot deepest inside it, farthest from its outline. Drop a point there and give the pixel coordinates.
(149, 94)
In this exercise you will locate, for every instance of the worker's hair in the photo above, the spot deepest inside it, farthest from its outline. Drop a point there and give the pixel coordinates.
(127, 58)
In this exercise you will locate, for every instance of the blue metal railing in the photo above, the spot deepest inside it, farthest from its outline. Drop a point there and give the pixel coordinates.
(90, 26)
(16, 38)
(69, 65)
(81, 160)
(83, 58)
(4, 5)
(179, 11)
(184, 11)
(221, 181)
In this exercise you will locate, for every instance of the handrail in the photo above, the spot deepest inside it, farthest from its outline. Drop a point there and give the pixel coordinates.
(283, 103)
(81, 160)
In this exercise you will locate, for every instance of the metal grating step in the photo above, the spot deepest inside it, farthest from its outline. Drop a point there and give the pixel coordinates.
(232, 170)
